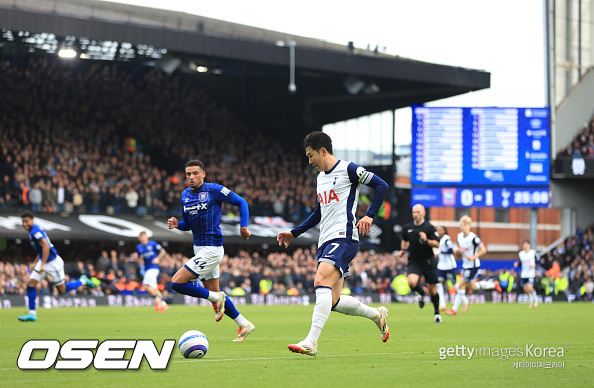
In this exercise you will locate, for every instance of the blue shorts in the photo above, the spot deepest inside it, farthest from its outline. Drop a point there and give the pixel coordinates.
(447, 274)
(469, 274)
(525, 281)
(339, 252)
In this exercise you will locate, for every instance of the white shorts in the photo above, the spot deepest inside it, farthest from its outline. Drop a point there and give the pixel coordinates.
(54, 268)
(205, 263)
(150, 277)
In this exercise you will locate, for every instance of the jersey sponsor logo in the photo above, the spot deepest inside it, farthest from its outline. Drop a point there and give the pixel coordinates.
(110, 354)
(203, 197)
(194, 209)
(225, 191)
(328, 196)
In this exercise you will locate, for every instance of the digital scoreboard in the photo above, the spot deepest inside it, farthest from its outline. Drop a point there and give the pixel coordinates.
(480, 147)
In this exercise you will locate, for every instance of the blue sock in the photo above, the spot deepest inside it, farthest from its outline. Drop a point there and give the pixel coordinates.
(73, 285)
(192, 289)
(230, 309)
(32, 294)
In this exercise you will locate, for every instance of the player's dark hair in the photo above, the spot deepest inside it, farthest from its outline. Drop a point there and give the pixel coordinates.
(526, 241)
(195, 163)
(316, 140)
(445, 230)
(27, 214)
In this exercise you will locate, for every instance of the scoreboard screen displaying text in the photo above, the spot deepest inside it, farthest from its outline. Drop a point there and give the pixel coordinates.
(480, 147)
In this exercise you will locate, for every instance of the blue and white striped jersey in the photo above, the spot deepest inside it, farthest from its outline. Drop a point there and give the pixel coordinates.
(148, 253)
(36, 234)
(201, 212)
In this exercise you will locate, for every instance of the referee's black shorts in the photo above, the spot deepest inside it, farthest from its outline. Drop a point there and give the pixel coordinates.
(424, 267)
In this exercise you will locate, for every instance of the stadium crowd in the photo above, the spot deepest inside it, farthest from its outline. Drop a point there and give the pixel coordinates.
(140, 125)
(567, 269)
(582, 144)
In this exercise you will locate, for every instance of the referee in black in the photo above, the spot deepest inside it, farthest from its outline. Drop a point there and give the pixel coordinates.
(418, 240)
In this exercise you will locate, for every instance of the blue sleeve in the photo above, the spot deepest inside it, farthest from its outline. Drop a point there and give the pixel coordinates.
(244, 211)
(157, 246)
(313, 219)
(183, 224)
(380, 190)
(359, 175)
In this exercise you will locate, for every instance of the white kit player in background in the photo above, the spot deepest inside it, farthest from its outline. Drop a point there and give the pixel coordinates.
(528, 259)
(338, 191)
(471, 248)
(446, 265)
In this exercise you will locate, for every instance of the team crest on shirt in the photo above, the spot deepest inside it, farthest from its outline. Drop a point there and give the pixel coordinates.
(203, 197)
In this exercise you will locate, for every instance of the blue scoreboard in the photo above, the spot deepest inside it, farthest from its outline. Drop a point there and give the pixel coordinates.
(484, 147)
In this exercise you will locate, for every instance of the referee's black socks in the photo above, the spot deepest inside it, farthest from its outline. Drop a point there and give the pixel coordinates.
(419, 290)
(435, 301)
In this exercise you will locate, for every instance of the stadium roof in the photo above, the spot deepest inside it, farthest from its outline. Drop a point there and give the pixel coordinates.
(248, 67)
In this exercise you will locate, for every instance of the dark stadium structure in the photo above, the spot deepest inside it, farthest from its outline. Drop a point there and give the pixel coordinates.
(247, 69)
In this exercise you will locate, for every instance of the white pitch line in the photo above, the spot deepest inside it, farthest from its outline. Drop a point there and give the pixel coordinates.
(289, 357)
(276, 358)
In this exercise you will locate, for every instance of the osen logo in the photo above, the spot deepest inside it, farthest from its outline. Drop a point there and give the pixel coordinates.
(78, 354)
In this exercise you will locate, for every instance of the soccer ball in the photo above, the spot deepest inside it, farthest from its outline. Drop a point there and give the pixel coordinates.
(193, 344)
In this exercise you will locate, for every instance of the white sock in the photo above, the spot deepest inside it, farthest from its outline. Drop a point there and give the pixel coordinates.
(442, 301)
(534, 297)
(33, 312)
(241, 321)
(350, 305)
(486, 285)
(459, 299)
(529, 295)
(213, 297)
(321, 313)
(464, 298)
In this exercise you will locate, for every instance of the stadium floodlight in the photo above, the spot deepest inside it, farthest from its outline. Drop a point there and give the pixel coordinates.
(67, 53)
(201, 69)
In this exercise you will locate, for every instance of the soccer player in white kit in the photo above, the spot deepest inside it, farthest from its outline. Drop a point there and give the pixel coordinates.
(446, 264)
(528, 259)
(338, 190)
(471, 247)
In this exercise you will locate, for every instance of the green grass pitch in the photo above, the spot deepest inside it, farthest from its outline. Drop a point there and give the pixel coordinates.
(350, 352)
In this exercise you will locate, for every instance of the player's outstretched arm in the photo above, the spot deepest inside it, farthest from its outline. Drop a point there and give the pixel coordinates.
(285, 238)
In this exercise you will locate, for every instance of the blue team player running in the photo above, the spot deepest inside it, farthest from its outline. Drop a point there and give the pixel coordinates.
(201, 212)
(338, 190)
(151, 253)
(47, 262)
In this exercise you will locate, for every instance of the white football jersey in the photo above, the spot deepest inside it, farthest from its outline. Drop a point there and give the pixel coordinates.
(469, 245)
(528, 259)
(338, 194)
(446, 256)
